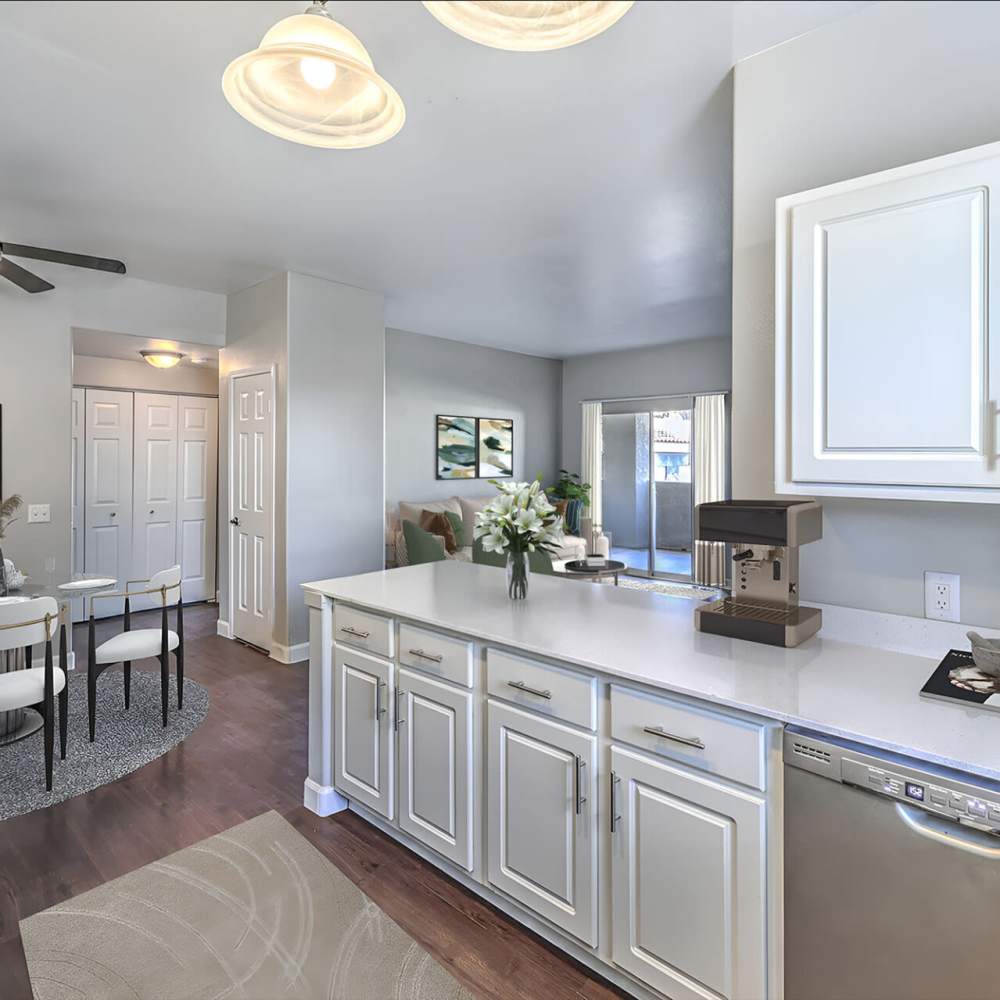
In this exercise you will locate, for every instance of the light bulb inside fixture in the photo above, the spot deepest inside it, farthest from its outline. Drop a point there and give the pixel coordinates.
(162, 359)
(317, 72)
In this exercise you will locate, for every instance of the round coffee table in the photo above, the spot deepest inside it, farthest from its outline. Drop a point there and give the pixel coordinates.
(579, 567)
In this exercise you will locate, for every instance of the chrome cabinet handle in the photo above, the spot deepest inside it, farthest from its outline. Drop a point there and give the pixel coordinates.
(398, 721)
(687, 741)
(379, 710)
(521, 686)
(615, 816)
(580, 798)
(350, 630)
(433, 657)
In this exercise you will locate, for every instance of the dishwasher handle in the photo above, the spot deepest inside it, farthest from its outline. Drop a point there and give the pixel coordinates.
(948, 833)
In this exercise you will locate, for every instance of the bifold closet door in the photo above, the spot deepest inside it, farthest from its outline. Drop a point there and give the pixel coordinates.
(76, 486)
(154, 490)
(108, 490)
(197, 485)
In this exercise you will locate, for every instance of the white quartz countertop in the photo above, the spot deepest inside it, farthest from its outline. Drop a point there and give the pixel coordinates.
(858, 692)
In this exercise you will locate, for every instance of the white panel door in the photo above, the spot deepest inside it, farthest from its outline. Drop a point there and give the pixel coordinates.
(889, 375)
(108, 490)
(364, 750)
(77, 448)
(436, 772)
(154, 504)
(251, 537)
(197, 476)
(542, 811)
(688, 881)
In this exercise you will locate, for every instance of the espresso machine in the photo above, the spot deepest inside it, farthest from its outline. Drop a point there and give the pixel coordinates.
(764, 536)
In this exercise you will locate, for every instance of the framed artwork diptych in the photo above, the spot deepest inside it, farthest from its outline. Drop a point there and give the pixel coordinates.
(473, 447)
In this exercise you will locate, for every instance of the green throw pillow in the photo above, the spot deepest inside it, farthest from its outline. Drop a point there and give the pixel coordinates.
(421, 546)
(457, 526)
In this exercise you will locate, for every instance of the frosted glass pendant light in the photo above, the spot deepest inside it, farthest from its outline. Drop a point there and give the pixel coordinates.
(312, 81)
(528, 25)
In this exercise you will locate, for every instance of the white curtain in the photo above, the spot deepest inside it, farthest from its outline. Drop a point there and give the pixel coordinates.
(590, 461)
(709, 481)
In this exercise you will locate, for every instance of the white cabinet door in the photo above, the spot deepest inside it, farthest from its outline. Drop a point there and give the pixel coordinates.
(197, 475)
(108, 491)
(154, 494)
(364, 739)
(436, 771)
(542, 829)
(688, 881)
(885, 376)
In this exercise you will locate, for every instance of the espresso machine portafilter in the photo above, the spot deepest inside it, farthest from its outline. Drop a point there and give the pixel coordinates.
(765, 536)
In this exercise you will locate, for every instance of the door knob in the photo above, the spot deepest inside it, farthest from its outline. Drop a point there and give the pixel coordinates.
(113, 514)
(152, 512)
(234, 520)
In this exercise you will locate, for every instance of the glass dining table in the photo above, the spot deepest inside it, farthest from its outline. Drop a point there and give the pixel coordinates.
(21, 722)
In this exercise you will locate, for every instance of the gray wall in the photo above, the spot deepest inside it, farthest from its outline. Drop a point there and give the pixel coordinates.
(336, 397)
(426, 376)
(690, 366)
(117, 373)
(890, 85)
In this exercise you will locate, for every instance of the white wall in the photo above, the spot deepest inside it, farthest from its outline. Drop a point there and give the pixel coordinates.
(892, 84)
(36, 376)
(701, 365)
(117, 373)
(336, 399)
(426, 376)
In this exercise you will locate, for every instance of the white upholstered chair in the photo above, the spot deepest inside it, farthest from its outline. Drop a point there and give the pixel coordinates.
(140, 644)
(24, 624)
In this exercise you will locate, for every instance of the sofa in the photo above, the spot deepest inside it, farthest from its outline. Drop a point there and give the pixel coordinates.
(573, 547)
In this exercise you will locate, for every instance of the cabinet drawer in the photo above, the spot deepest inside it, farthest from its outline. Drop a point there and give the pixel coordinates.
(363, 629)
(725, 745)
(436, 654)
(563, 694)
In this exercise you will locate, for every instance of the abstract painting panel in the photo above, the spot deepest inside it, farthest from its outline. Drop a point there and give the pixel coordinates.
(496, 448)
(456, 447)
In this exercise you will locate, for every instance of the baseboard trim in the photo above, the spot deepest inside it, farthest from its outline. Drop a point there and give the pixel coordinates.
(324, 800)
(222, 628)
(298, 653)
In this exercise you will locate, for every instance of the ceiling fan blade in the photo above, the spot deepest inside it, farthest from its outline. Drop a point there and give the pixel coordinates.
(61, 257)
(25, 279)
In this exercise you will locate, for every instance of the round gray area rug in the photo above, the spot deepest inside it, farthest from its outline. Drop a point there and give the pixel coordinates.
(125, 740)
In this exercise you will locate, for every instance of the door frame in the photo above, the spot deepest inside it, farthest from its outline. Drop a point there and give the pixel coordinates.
(271, 371)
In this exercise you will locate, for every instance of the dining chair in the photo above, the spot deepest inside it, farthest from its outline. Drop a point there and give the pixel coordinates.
(139, 644)
(22, 625)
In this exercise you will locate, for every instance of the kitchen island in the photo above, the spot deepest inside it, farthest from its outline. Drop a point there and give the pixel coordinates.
(590, 763)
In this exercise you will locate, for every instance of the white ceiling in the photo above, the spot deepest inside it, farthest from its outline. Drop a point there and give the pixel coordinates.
(124, 347)
(552, 203)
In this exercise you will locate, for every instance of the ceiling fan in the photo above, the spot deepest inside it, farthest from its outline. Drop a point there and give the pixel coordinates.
(31, 282)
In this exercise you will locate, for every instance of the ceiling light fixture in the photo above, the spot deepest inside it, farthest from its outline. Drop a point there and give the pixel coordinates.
(162, 359)
(528, 25)
(311, 81)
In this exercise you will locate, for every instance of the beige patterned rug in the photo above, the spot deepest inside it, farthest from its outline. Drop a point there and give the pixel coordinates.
(255, 913)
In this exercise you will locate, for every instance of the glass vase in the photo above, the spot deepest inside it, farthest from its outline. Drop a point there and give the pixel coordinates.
(517, 575)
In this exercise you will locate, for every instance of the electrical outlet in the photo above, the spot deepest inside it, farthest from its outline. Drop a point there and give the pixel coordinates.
(38, 513)
(941, 596)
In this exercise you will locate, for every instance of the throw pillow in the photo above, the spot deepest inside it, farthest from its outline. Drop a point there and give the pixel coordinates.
(458, 527)
(421, 546)
(438, 524)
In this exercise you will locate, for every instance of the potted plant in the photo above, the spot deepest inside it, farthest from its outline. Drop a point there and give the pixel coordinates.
(8, 508)
(518, 521)
(576, 494)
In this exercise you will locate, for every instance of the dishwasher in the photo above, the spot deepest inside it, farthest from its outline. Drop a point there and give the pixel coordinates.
(892, 876)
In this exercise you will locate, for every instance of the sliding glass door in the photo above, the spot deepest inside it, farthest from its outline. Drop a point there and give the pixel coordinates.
(647, 485)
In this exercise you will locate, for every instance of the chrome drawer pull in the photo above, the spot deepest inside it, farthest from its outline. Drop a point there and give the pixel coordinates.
(350, 630)
(615, 816)
(398, 721)
(580, 797)
(688, 741)
(379, 710)
(433, 657)
(521, 686)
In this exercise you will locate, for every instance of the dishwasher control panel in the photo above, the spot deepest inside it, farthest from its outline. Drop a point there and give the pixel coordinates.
(939, 793)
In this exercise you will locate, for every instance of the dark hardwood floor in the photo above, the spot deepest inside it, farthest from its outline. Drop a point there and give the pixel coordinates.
(247, 757)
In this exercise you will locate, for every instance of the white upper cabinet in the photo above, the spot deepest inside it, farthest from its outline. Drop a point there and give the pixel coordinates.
(885, 382)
